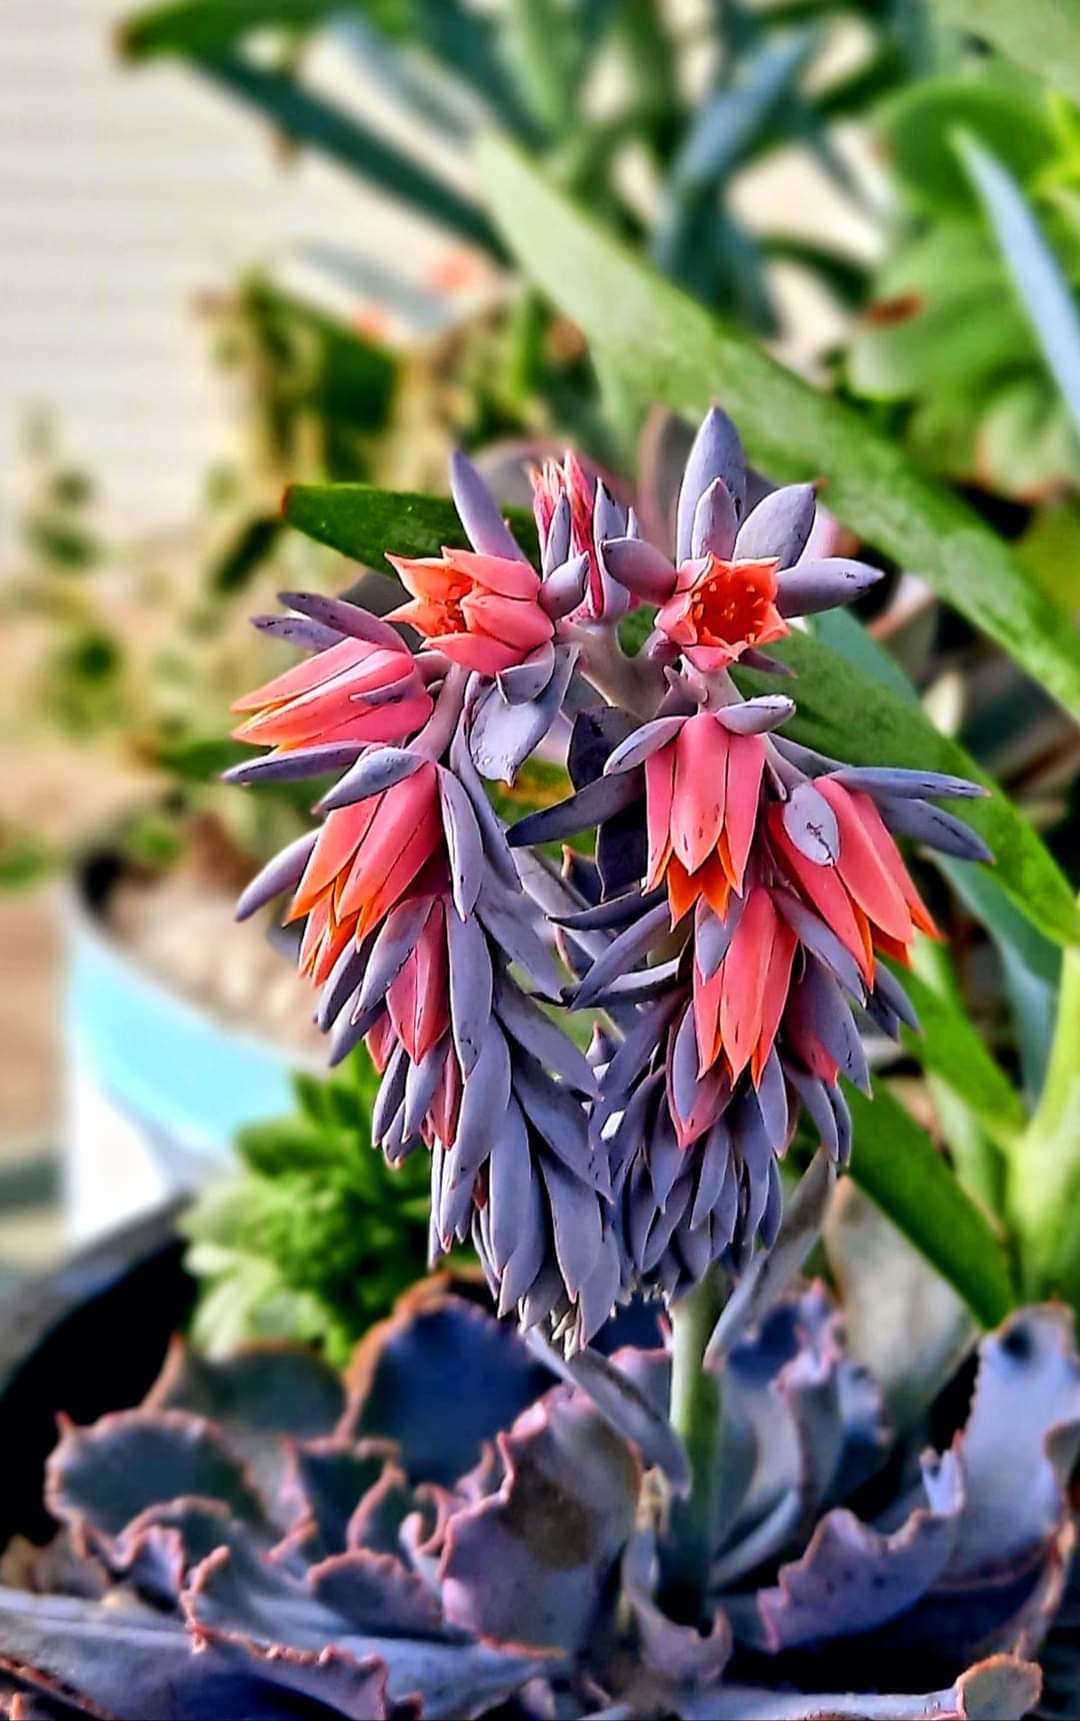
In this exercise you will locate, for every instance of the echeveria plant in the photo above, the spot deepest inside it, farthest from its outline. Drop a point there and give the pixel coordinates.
(731, 921)
(460, 1535)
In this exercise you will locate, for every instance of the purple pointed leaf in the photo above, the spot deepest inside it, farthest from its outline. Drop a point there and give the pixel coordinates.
(779, 528)
(479, 513)
(378, 770)
(563, 589)
(712, 936)
(297, 764)
(299, 631)
(623, 953)
(934, 827)
(278, 875)
(715, 523)
(391, 1094)
(575, 1214)
(756, 716)
(908, 785)
(344, 617)
(343, 984)
(421, 1085)
(623, 1404)
(642, 569)
(599, 800)
(464, 843)
(643, 743)
(617, 911)
(557, 542)
(485, 1096)
(496, 848)
(393, 946)
(818, 1004)
(822, 942)
(526, 681)
(535, 1030)
(716, 452)
(821, 585)
(811, 825)
(512, 933)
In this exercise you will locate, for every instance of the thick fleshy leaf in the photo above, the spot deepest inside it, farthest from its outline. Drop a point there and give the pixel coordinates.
(664, 347)
(440, 1377)
(530, 1566)
(621, 1402)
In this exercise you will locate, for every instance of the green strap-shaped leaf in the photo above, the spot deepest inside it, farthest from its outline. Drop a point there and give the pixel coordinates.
(363, 522)
(669, 349)
(211, 26)
(903, 1172)
(1043, 35)
(949, 1046)
(843, 711)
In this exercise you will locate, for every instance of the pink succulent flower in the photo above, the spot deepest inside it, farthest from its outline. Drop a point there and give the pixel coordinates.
(720, 609)
(480, 611)
(354, 692)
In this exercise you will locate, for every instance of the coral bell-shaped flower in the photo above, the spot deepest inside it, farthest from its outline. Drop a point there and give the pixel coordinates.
(720, 609)
(480, 611)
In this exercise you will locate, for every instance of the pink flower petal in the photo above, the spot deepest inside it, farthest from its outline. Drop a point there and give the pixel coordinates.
(698, 792)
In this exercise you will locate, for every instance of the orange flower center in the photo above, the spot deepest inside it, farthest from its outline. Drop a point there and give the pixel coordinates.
(730, 603)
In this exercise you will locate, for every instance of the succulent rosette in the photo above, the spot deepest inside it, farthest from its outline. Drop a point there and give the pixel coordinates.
(729, 927)
(459, 1533)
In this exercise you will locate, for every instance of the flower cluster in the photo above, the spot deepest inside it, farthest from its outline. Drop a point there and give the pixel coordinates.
(730, 926)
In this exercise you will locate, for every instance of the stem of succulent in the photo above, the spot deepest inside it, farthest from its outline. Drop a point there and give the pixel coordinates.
(696, 1415)
(1044, 1181)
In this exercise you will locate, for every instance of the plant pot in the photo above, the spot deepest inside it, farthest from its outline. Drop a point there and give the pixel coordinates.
(158, 1084)
(83, 1339)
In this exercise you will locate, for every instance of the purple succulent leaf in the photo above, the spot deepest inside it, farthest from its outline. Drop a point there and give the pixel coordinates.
(464, 843)
(297, 764)
(138, 1663)
(764, 664)
(907, 785)
(479, 512)
(1024, 1421)
(391, 1094)
(712, 936)
(526, 1023)
(471, 982)
(770, 1273)
(755, 716)
(531, 1565)
(439, 1378)
(600, 799)
(379, 769)
(278, 875)
(621, 850)
(779, 528)
(818, 1005)
(642, 744)
(496, 847)
(617, 911)
(106, 1475)
(350, 1028)
(934, 827)
(575, 1216)
(853, 1578)
(564, 586)
(391, 949)
(646, 1032)
(524, 682)
(344, 617)
(514, 935)
(555, 542)
(346, 978)
(597, 731)
(560, 1121)
(715, 524)
(811, 824)
(297, 630)
(822, 585)
(376, 1593)
(822, 942)
(716, 452)
(329, 1479)
(644, 986)
(1002, 1688)
(485, 1096)
(623, 953)
(504, 735)
(256, 1397)
(892, 994)
(639, 567)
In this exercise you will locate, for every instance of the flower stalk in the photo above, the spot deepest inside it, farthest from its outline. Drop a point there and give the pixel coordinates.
(697, 1416)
